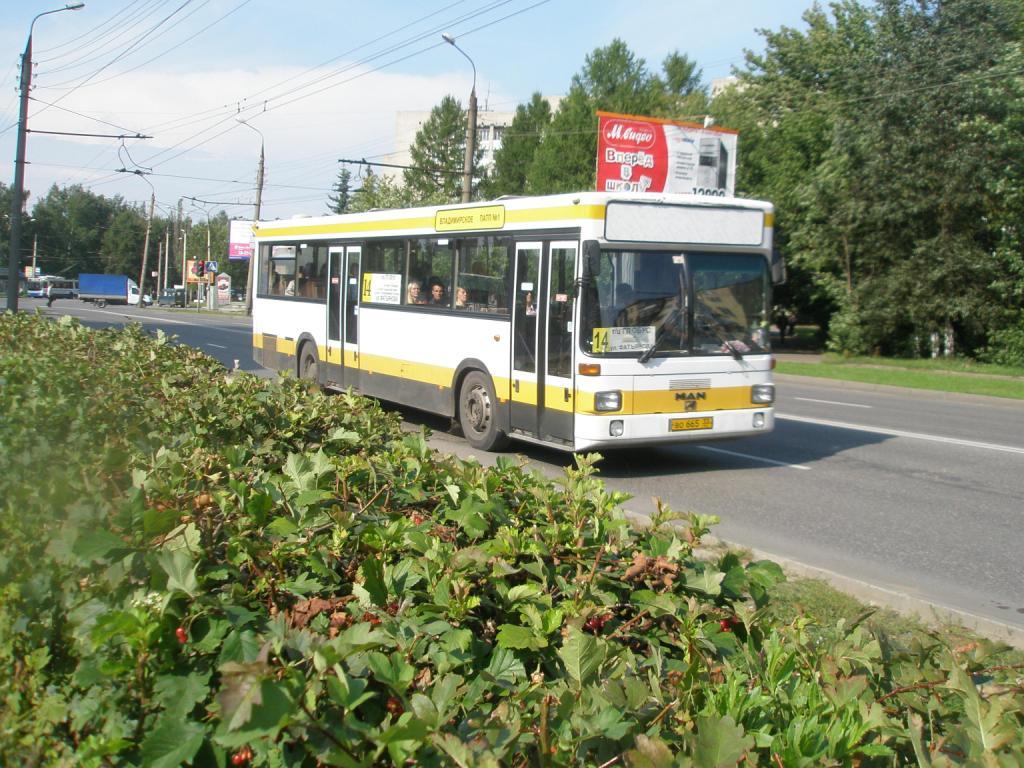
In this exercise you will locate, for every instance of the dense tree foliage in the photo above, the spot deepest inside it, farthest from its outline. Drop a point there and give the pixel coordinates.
(885, 136)
(74, 230)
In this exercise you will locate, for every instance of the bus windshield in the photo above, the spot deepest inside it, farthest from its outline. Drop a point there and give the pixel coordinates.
(670, 303)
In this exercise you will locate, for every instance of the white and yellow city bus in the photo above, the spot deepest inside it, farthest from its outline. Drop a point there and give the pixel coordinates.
(579, 321)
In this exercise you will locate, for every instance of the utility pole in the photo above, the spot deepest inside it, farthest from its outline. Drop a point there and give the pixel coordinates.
(467, 166)
(255, 218)
(35, 249)
(145, 248)
(18, 190)
(167, 255)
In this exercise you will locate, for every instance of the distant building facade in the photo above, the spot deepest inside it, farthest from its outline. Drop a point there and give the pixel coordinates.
(490, 129)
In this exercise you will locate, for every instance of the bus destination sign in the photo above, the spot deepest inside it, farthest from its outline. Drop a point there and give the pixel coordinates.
(466, 219)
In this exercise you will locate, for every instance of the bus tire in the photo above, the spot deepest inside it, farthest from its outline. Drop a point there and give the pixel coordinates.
(309, 363)
(101, 303)
(477, 416)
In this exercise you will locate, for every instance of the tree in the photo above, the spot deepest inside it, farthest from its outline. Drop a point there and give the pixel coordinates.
(121, 246)
(438, 156)
(612, 79)
(341, 196)
(70, 222)
(518, 146)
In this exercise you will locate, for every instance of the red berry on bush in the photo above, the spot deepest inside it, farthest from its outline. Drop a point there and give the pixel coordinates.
(181, 634)
(242, 756)
(394, 706)
(725, 625)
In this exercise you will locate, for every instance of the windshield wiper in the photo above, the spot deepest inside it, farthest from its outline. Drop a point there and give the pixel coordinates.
(647, 354)
(711, 322)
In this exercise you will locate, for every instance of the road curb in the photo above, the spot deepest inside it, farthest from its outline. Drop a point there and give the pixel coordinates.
(927, 611)
(931, 613)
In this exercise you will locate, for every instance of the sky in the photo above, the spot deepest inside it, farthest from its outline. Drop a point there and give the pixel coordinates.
(314, 80)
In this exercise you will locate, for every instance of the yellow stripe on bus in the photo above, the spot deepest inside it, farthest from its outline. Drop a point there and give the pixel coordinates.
(565, 212)
(633, 403)
(666, 401)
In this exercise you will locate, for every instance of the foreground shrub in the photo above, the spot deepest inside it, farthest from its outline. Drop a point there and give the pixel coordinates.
(205, 571)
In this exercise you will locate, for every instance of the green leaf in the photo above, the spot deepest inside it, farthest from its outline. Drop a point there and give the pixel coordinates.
(514, 636)
(180, 570)
(302, 585)
(720, 742)
(172, 742)
(649, 753)
(97, 544)
(180, 693)
(347, 692)
(342, 435)
(282, 526)
(655, 604)
(707, 581)
(471, 516)
(581, 654)
(394, 671)
(373, 580)
(527, 591)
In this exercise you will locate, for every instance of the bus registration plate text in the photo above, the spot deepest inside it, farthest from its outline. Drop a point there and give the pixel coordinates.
(685, 425)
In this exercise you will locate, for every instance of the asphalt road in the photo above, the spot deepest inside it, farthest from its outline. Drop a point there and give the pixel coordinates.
(909, 498)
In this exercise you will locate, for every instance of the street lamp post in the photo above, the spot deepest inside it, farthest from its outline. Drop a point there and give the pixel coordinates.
(255, 217)
(18, 190)
(467, 166)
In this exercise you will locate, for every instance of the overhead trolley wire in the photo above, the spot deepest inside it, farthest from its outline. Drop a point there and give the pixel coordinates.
(343, 82)
(125, 26)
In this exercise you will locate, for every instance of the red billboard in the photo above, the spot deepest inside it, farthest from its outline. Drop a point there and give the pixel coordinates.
(647, 154)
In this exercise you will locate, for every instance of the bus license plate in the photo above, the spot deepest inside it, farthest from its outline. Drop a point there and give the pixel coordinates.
(685, 425)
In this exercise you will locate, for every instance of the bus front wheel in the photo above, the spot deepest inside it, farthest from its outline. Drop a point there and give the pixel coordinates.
(477, 413)
(309, 364)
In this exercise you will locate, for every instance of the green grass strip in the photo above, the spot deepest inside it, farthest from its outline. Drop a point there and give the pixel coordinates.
(938, 381)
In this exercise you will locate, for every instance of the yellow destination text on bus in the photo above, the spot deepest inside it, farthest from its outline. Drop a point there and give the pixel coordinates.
(488, 217)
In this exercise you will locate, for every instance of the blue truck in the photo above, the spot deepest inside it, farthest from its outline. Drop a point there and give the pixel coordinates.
(109, 289)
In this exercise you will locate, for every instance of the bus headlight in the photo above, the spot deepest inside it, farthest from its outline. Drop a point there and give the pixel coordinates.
(758, 421)
(616, 428)
(608, 401)
(762, 394)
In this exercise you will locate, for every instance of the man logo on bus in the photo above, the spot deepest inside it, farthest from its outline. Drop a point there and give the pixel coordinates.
(690, 399)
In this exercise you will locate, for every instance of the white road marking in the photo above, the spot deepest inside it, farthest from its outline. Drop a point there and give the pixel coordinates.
(124, 316)
(755, 458)
(216, 346)
(903, 433)
(832, 402)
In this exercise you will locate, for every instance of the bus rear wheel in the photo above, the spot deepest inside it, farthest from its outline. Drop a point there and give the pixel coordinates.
(477, 413)
(309, 363)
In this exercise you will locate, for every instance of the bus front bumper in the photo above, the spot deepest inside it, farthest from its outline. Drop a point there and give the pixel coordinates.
(619, 430)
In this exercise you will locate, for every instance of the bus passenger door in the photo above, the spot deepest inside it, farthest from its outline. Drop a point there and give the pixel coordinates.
(557, 401)
(350, 313)
(525, 388)
(335, 290)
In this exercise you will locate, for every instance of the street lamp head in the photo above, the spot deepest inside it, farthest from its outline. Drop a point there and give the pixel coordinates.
(448, 38)
(74, 6)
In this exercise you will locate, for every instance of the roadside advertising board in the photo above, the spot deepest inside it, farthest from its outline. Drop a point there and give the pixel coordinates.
(240, 240)
(648, 154)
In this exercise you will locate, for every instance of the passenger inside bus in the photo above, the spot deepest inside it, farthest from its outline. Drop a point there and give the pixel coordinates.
(437, 296)
(412, 293)
(461, 298)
